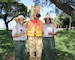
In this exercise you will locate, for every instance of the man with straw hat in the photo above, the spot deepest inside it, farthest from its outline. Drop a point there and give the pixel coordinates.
(49, 30)
(19, 37)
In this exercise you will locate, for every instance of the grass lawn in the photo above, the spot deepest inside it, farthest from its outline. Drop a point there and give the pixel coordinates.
(65, 45)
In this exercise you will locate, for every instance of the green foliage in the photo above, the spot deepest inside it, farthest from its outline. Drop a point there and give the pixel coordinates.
(65, 42)
(73, 22)
(6, 0)
(65, 19)
(6, 43)
(57, 21)
(11, 8)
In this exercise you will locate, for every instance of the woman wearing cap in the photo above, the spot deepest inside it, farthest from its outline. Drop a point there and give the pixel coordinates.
(19, 37)
(49, 30)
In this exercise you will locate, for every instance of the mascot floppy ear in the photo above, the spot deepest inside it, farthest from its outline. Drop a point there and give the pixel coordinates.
(32, 12)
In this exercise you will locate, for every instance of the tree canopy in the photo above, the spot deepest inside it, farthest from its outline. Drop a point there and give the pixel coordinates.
(68, 6)
(11, 8)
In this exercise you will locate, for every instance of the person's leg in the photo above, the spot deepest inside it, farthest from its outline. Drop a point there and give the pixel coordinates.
(52, 48)
(38, 48)
(22, 54)
(46, 48)
(17, 50)
(32, 47)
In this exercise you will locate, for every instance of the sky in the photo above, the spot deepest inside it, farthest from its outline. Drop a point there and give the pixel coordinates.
(28, 3)
(43, 10)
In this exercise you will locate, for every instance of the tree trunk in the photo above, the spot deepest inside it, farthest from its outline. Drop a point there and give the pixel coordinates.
(5, 20)
(6, 24)
(66, 8)
(70, 23)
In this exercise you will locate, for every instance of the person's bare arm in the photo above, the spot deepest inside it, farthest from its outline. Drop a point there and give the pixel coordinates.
(52, 33)
(18, 35)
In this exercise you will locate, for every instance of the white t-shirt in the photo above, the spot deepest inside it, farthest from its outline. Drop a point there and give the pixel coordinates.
(16, 30)
(48, 28)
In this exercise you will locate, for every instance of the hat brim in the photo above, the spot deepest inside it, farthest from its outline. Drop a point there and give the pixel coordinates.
(19, 17)
(15, 19)
(46, 18)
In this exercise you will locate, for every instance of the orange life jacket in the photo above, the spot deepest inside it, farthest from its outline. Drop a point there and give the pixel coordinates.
(34, 29)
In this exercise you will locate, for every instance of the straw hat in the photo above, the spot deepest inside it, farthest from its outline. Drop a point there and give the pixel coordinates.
(47, 16)
(19, 17)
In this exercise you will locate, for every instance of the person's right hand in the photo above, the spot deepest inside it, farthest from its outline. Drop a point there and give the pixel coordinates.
(50, 33)
(22, 33)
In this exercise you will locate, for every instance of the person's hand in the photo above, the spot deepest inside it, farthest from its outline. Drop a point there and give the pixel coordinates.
(22, 33)
(50, 33)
